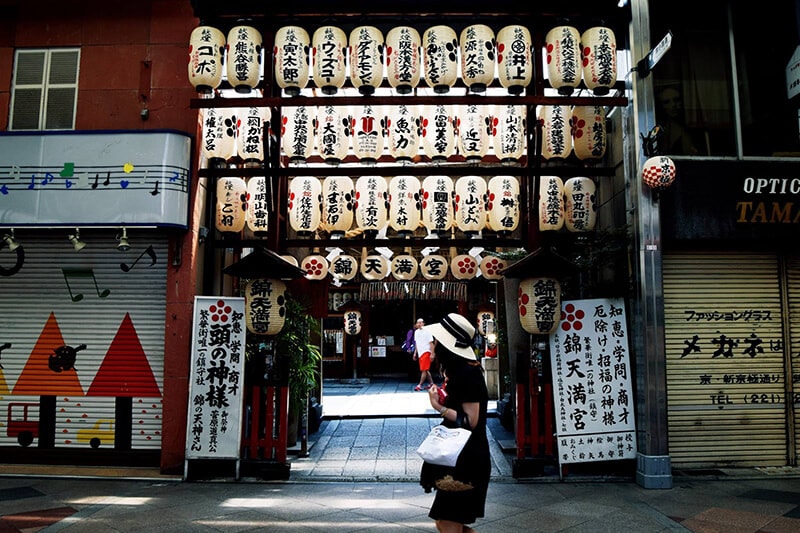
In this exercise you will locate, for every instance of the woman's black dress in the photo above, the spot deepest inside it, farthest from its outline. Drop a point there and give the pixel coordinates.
(474, 464)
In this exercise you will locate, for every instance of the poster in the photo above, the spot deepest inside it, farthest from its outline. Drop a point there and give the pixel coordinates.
(590, 362)
(214, 423)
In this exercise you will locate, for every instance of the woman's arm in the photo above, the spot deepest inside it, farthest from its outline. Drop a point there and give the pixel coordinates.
(471, 409)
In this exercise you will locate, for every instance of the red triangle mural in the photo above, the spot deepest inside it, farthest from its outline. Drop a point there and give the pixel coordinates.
(37, 378)
(125, 371)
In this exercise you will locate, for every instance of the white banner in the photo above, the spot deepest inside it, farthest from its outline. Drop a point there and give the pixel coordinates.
(214, 424)
(590, 362)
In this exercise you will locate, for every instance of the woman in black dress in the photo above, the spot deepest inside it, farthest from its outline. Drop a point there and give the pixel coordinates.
(460, 490)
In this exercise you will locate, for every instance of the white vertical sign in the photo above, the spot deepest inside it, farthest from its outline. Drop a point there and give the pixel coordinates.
(590, 361)
(214, 427)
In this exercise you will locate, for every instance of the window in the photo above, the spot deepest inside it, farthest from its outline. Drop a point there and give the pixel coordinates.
(45, 89)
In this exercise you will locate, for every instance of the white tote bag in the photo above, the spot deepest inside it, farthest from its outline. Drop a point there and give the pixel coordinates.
(443, 445)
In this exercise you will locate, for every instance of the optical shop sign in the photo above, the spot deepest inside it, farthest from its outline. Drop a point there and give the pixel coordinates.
(215, 392)
(590, 361)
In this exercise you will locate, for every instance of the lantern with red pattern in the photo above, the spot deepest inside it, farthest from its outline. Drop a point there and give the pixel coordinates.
(402, 58)
(599, 56)
(562, 44)
(338, 204)
(371, 203)
(508, 133)
(514, 62)
(405, 205)
(250, 135)
(403, 133)
(440, 54)
(257, 216)
(659, 172)
(579, 209)
(305, 204)
(477, 45)
(556, 132)
(243, 60)
(291, 59)
(367, 128)
(265, 305)
(437, 204)
(551, 203)
(366, 58)
(491, 266)
(503, 204)
(231, 204)
(329, 46)
(438, 132)
(588, 132)
(473, 132)
(332, 134)
(463, 266)
(297, 132)
(539, 303)
(470, 204)
(206, 52)
(315, 265)
(352, 321)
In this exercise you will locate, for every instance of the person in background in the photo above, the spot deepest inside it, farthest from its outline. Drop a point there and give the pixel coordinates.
(461, 490)
(670, 116)
(423, 353)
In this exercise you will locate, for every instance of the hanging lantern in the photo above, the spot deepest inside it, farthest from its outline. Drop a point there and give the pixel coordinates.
(437, 204)
(440, 57)
(315, 265)
(338, 202)
(438, 132)
(477, 57)
(658, 172)
(291, 54)
(243, 60)
(402, 58)
(579, 210)
(405, 205)
(366, 58)
(403, 127)
(291, 260)
(556, 134)
(463, 266)
(562, 44)
(206, 50)
(470, 204)
(551, 203)
(231, 204)
(352, 322)
(503, 204)
(250, 135)
(599, 56)
(367, 127)
(328, 58)
(491, 266)
(305, 202)
(588, 132)
(509, 133)
(332, 133)
(371, 205)
(484, 320)
(374, 267)
(473, 126)
(514, 61)
(404, 267)
(219, 135)
(265, 305)
(539, 302)
(297, 133)
(343, 267)
(257, 216)
(433, 267)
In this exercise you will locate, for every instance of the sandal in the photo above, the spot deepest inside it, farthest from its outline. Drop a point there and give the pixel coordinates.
(417, 388)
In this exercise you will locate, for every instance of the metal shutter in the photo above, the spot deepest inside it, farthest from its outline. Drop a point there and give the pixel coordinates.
(725, 409)
(793, 285)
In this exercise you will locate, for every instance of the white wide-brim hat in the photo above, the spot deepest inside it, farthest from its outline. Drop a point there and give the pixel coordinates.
(455, 333)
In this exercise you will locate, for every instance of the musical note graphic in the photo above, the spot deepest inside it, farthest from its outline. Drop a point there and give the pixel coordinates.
(105, 183)
(68, 171)
(82, 273)
(149, 252)
(154, 192)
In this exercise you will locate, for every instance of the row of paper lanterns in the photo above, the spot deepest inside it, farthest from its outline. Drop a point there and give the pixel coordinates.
(403, 58)
(438, 131)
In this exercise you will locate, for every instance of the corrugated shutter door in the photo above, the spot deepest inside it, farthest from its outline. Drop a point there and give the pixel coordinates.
(725, 360)
(793, 284)
(101, 306)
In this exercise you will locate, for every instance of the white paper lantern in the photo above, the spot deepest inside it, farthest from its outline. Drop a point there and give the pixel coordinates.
(257, 217)
(551, 203)
(329, 45)
(438, 132)
(503, 204)
(509, 128)
(514, 61)
(470, 204)
(539, 302)
(219, 135)
(579, 208)
(437, 204)
(367, 127)
(372, 204)
(404, 267)
(250, 134)
(231, 204)
(556, 133)
(402, 58)
(315, 266)
(206, 52)
(491, 267)
(292, 260)
(403, 127)
(599, 56)
(305, 204)
(473, 132)
(352, 322)
(297, 132)
(338, 204)
(265, 305)
(374, 267)
(332, 134)
(405, 204)
(588, 132)
(562, 45)
(291, 59)
(484, 319)
(343, 267)
(243, 61)
(659, 172)
(440, 57)
(433, 267)
(463, 267)
(366, 58)
(477, 45)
